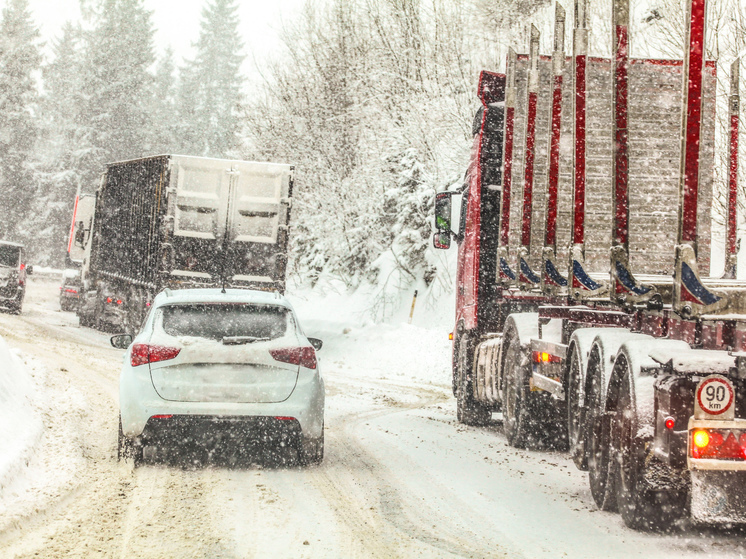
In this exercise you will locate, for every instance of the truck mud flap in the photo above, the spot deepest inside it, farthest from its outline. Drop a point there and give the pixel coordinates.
(718, 497)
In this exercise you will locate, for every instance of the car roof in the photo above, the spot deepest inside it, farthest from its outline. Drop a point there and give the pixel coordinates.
(215, 295)
(8, 243)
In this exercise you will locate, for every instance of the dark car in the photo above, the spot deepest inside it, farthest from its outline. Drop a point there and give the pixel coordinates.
(13, 272)
(70, 289)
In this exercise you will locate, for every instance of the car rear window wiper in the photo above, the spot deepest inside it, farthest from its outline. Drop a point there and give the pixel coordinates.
(236, 340)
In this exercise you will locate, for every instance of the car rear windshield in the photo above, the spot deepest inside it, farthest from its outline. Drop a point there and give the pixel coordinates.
(9, 256)
(218, 321)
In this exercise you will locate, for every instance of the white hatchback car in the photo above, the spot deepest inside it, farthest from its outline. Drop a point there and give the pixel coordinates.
(220, 366)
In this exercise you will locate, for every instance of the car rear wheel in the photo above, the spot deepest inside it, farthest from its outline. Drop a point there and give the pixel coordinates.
(311, 451)
(128, 448)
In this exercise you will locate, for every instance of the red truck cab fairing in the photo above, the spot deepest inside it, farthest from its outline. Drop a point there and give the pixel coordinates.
(479, 216)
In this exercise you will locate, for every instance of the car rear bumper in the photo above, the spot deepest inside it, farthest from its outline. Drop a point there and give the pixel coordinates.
(11, 294)
(205, 430)
(139, 403)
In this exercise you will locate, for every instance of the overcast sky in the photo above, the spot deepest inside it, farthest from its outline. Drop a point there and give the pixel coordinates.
(177, 22)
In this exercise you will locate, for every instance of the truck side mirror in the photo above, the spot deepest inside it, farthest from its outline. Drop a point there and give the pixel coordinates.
(80, 234)
(442, 236)
(29, 270)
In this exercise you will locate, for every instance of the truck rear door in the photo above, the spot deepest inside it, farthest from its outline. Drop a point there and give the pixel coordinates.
(230, 221)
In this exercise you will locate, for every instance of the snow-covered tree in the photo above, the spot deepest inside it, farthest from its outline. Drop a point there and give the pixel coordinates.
(117, 84)
(211, 85)
(163, 119)
(20, 59)
(59, 158)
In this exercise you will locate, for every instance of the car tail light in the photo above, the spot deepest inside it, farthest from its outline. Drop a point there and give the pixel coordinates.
(303, 356)
(720, 444)
(146, 353)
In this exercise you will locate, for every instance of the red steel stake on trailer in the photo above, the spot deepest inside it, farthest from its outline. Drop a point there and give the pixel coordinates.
(558, 59)
(552, 279)
(510, 95)
(532, 94)
(620, 236)
(731, 259)
(582, 285)
(505, 274)
(580, 59)
(526, 275)
(690, 297)
(625, 289)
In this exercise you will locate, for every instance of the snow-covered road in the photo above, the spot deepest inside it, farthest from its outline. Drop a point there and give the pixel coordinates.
(401, 478)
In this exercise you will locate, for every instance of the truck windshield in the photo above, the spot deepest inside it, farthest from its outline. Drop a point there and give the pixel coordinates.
(9, 256)
(218, 321)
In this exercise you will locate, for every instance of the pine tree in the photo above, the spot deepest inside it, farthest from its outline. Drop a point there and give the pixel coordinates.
(211, 84)
(20, 58)
(163, 115)
(118, 86)
(58, 156)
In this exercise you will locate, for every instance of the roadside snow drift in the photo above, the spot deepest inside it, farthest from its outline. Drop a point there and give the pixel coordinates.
(20, 423)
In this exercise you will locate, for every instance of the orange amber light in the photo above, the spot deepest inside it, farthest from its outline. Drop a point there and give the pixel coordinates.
(701, 439)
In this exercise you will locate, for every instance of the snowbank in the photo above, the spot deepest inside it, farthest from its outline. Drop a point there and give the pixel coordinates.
(393, 349)
(21, 425)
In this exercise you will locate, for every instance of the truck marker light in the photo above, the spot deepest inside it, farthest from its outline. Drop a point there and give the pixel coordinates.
(284, 418)
(119, 301)
(450, 336)
(164, 416)
(108, 299)
(544, 357)
(670, 423)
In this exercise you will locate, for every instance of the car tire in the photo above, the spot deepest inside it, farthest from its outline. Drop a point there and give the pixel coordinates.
(311, 451)
(128, 448)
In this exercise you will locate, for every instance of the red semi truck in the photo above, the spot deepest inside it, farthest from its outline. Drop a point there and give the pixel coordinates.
(583, 312)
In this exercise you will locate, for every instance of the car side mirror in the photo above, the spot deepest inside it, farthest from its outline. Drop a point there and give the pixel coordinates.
(442, 236)
(316, 343)
(121, 341)
(29, 270)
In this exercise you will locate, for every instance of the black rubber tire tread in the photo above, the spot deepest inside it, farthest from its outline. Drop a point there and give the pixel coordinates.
(641, 507)
(598, 439)
(516, 420)
(311, 451)
(128, 448)
(468, 410)
(576, 426)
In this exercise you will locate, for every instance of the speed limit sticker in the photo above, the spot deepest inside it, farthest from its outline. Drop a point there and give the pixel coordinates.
(715, 396)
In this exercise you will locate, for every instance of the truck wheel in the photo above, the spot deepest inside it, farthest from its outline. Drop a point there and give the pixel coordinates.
(576, 431)
(642, 506)
(468, 410)
(516, 412)
(598, 439)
